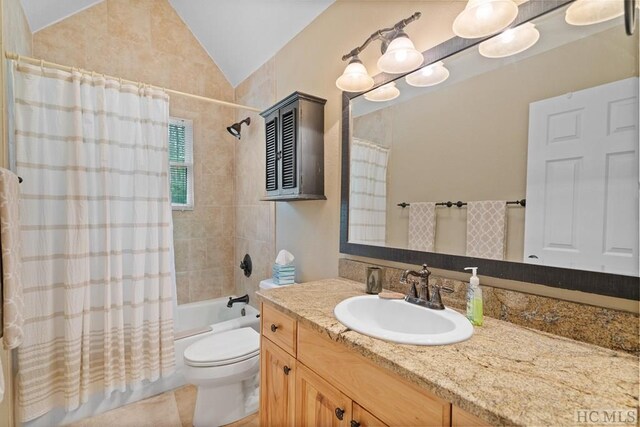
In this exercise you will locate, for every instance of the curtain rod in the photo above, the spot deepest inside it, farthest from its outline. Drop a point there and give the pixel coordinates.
(42, 62)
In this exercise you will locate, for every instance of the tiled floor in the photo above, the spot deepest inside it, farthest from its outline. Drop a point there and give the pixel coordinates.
(171, 409)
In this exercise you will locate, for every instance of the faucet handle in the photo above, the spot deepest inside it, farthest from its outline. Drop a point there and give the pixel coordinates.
(436, 300)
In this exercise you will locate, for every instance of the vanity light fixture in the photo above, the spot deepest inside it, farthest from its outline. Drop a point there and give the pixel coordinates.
(399, 55)
(355, 77)
(587, 12)
(510, 42)
(430, 75)
(383, 93)
(481, 18)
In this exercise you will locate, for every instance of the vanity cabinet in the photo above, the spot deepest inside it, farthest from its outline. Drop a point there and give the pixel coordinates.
(277, 385)
(307, 379)
(294, 138)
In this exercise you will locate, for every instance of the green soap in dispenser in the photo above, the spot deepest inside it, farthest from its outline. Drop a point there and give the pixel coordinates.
(474, 299)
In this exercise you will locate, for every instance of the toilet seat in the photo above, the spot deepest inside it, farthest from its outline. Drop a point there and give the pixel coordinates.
(223, 349)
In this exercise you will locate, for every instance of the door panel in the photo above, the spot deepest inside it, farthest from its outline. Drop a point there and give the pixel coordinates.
(318, 403)
(277, 385)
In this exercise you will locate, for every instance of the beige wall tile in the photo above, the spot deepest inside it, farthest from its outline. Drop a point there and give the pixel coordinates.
(197, 254)
(181, 249)
(182, 285)
(130, 20)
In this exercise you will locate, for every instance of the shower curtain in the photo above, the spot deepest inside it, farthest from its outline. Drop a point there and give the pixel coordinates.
(368, 193)
(96, 237)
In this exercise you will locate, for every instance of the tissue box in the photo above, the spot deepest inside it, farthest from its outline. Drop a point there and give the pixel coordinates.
(283, 274)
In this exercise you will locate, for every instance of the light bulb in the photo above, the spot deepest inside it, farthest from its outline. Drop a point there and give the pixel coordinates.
(512, 41)
(508, 36)
(383, 93)
(428, 76)
(401, 56)
(481, 18)
(355, 77)
(587, 12)
(484, 11)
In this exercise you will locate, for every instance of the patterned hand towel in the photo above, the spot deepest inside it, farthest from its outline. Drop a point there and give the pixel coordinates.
(486, 229)
(422, 226)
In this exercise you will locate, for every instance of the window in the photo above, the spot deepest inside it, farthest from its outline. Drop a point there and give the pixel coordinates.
(181, 163)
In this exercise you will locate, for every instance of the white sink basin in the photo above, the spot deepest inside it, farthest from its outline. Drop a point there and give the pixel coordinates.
(402, 322)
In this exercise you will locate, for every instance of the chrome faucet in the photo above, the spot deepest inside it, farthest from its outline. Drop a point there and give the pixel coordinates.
(423, 296)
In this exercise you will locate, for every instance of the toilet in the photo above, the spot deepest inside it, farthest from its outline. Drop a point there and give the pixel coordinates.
(225, 368)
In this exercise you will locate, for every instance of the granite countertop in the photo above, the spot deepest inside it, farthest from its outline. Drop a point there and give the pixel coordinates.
(504, 374)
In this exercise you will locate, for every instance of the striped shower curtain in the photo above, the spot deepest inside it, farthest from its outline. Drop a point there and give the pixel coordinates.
(96, 237)
(368, 193)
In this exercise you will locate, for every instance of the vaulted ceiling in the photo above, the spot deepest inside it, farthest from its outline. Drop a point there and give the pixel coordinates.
(238, 35)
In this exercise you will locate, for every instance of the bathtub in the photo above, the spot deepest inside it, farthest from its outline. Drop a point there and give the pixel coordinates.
(192, 322)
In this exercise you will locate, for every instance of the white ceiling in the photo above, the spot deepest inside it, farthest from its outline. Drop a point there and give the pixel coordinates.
(41, 14)
(239, 35)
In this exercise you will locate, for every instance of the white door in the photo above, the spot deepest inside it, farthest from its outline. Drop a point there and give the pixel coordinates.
(582, 180)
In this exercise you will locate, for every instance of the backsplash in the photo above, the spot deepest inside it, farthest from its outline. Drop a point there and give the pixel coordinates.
(617, 330)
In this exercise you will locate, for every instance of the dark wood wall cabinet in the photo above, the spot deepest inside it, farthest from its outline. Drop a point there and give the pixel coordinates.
(294, 129)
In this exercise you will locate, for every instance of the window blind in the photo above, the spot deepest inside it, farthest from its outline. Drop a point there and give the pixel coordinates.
(181, 162)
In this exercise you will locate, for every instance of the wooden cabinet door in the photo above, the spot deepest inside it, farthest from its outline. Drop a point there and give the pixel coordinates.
(277, 385)
(288, 166)
(272, 184)
(318, 403)
(363, 418)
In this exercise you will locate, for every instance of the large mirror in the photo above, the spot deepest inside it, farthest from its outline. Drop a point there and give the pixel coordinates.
(530, 158)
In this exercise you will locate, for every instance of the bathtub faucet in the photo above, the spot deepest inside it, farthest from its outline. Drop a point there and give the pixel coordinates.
(244, 299)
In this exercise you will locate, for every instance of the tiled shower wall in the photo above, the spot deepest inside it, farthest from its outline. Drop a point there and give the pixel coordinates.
(255, 219)
(145, 40)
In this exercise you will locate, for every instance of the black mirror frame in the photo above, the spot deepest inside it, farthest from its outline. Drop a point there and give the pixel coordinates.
(613, 285)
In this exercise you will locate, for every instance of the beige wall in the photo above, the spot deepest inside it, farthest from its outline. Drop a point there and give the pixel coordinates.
(310, 63)
(15, 36)
(436, 158)
(145, 40)
(255, 220)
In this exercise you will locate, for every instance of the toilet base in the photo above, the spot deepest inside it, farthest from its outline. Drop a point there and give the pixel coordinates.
(225, 404)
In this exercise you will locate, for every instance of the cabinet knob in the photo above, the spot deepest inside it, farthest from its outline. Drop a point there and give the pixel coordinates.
(273, 327)
(286, 370)
(354, 423)
(340, 413)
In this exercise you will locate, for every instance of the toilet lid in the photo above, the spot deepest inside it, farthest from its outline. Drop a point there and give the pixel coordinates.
(224, 348)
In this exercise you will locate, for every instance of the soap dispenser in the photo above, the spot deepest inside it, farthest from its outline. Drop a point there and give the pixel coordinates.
(474, 298)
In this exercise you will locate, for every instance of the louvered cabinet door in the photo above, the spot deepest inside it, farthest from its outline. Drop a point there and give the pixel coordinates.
(289, 149)
(271, 128)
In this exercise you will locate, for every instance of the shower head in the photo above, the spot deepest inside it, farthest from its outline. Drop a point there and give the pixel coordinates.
(234, 129)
